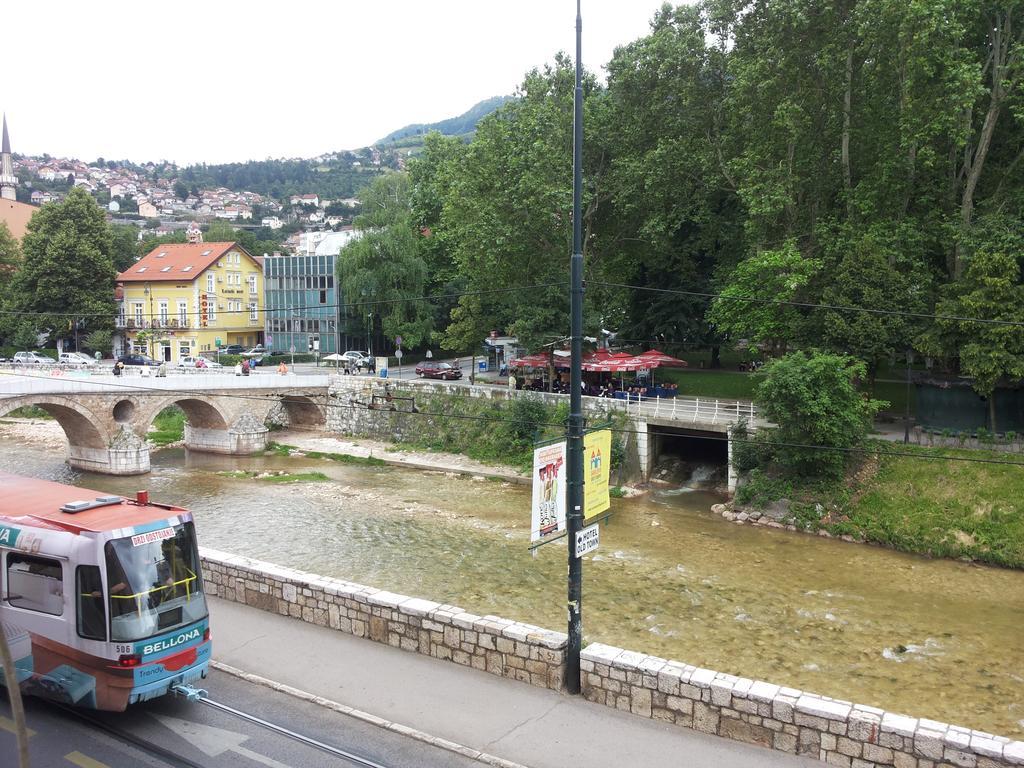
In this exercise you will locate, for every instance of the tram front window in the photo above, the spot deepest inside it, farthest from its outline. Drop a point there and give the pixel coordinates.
(154, 583)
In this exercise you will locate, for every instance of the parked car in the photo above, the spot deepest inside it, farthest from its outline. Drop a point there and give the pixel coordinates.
(233, 349)
(32, 358)
(193, 362)
(431, 369)
(138, 360)
(76, 360)
(257, 351)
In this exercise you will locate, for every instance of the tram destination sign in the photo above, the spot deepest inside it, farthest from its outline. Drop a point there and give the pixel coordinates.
(151, 536)
(588, 539)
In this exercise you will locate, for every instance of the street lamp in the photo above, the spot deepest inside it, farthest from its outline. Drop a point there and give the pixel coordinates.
(369, 334)
(906, 414)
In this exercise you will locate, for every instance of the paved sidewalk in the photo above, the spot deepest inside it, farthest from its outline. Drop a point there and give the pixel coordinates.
(514, 721)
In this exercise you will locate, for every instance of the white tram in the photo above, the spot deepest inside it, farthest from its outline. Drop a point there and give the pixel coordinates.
(101, 597)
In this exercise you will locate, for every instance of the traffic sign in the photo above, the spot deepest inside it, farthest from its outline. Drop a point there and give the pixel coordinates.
(292, 349)
(270, 339)
(587, 540)
(399, 353)
(398, 341)
(219, 342)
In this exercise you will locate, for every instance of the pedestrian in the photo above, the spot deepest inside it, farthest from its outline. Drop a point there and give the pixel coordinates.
(245, 367)
(118, 368)
(238, 369)
(371, 364)
(282, 369)
(161, 372)
(511, 382)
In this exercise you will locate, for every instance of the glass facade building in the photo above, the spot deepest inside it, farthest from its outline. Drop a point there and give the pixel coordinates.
(301, 303)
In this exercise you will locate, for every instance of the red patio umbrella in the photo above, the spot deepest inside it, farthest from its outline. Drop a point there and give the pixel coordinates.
(662, 359)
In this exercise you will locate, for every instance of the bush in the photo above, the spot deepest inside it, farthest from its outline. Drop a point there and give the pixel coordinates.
(525, 419)
(813, 399)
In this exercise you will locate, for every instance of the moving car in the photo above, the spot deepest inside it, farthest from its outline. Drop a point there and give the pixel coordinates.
(431, 369)
(76, 360)
(138, 360)
(355, 357)
(32, 358)
(191, 362)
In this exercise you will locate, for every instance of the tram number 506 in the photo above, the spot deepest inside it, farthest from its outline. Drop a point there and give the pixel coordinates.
(123, 649)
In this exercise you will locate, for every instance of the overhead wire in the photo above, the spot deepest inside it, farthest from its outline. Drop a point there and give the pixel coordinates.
(305, 400)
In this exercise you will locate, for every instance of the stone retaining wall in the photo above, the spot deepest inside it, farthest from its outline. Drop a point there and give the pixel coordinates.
(488, 643)
(836, 732)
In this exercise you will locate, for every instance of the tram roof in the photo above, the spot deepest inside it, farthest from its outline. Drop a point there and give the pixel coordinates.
(30, 501)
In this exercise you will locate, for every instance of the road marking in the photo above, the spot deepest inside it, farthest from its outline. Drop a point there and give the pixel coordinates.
(84, 761)
(7, 724)
(215, 741)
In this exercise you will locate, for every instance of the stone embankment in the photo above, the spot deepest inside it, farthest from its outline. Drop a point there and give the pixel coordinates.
(775, 516)
(785, 719)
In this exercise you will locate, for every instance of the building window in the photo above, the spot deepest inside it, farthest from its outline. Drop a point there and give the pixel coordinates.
(138, 313)
(211, 312)
(323, 297)
(211, 282)
(253, 311)
(184, 349)
(183, 314)
(252, 284)
(163, 314)
(35, 584)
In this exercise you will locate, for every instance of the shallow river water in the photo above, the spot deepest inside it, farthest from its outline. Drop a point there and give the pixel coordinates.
(931, 638)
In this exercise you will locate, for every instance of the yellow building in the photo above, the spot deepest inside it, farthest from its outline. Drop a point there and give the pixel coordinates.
(187, 298)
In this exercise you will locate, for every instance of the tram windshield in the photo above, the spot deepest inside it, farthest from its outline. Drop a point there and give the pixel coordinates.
(154, 583)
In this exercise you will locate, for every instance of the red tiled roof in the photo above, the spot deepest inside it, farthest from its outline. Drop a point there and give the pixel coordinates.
(176, 261)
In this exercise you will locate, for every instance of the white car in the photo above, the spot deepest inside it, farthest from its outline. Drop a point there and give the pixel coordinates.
(257, 351)
(32, 358)
(76, 360)
(190, 362)
(354, 357)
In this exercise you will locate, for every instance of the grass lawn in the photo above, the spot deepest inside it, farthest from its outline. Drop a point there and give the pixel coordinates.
(169, 426)
(943, 508)
(928, 506)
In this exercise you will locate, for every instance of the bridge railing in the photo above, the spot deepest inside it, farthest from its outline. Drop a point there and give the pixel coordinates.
(693, 409)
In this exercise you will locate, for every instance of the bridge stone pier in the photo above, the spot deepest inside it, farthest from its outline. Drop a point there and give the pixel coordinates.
(106, 418)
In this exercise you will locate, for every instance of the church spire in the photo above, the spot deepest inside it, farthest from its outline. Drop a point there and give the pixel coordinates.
(8, 181)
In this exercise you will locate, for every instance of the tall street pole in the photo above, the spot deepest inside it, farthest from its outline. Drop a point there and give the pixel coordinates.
(574, 489)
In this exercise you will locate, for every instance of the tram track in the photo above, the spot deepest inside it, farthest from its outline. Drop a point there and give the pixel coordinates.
(175, 760)
(172, 758)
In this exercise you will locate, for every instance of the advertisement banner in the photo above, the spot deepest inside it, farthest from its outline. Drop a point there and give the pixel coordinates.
(548, 491)
(597, 462)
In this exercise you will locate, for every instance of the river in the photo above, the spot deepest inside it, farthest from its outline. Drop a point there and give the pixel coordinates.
(931, 638)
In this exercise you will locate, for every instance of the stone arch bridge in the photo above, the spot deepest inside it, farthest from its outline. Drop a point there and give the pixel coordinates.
(106, 418)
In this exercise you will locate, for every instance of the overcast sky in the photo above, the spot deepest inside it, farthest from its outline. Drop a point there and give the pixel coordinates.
(223, 80)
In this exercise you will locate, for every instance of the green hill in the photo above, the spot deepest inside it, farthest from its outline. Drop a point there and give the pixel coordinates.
(453, 126)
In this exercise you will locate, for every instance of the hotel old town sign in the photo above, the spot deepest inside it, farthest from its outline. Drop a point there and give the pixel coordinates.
(203, 306)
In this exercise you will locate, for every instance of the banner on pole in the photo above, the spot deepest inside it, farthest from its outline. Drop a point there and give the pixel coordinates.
(548, 491)
(597, 458)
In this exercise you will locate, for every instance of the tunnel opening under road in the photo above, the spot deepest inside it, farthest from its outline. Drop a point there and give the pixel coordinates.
(690, 458)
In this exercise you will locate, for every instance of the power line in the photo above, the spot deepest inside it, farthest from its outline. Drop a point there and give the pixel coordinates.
(811, 305)
(305, 400)
(490, 291)
(292, 308)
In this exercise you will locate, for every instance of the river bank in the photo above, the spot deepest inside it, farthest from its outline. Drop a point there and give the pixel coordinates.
(952, 503)
(439, 461)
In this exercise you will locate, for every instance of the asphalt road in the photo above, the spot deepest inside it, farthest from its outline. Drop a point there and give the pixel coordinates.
(175, 733)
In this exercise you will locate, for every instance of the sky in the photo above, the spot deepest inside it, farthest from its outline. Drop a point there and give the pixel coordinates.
(223, 81)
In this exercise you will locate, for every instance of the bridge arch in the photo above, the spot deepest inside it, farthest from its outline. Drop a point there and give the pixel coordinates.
(303, 411)
(200, 412)
(81, 426)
